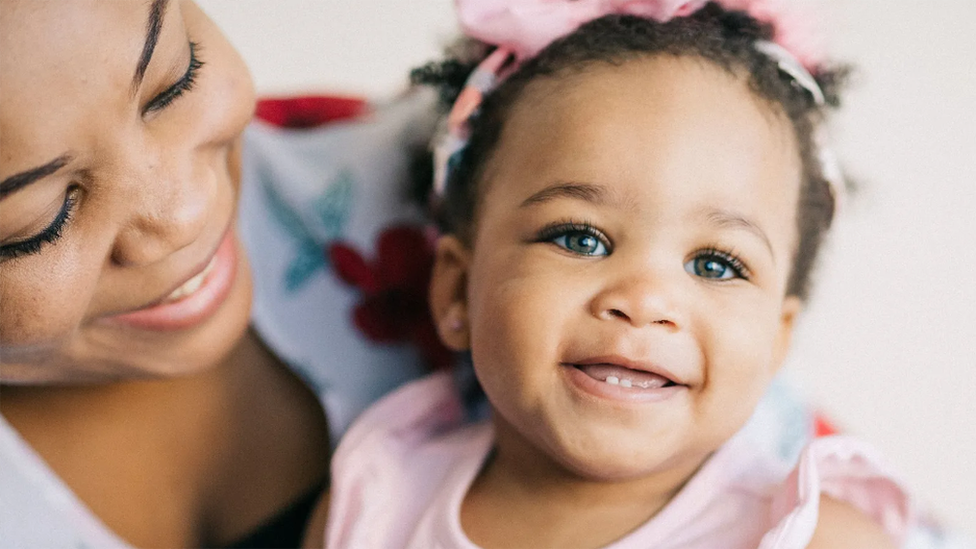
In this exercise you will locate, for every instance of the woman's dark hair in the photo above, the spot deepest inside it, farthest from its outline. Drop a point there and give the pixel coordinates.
(726, 38)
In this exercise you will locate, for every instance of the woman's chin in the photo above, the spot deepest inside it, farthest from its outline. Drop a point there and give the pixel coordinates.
(202, 347)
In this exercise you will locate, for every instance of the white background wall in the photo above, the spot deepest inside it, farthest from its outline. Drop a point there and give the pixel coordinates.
(888, 346)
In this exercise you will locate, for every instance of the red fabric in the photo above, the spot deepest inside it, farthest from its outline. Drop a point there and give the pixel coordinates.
(309, 111)
(822, 427)
(394, 290)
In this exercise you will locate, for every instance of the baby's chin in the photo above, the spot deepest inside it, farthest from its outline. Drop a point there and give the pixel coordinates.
(627, 459)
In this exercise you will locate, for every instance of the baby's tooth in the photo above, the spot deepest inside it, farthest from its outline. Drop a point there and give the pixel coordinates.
(625, 383)
(613, 380)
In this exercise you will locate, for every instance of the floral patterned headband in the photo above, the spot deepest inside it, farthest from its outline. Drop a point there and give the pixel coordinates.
(522, 28)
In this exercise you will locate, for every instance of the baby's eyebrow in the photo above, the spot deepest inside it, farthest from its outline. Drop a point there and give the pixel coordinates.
(580, 191)
(733, 220)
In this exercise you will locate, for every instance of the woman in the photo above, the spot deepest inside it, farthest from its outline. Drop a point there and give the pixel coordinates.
(138, 408)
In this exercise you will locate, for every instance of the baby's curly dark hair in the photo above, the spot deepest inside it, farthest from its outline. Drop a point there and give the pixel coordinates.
(726, 38)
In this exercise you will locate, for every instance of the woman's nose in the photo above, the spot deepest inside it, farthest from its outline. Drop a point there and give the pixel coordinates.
(649, 297)
(164, 216)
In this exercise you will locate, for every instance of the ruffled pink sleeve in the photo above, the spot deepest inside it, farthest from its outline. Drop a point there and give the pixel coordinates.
(847, 470)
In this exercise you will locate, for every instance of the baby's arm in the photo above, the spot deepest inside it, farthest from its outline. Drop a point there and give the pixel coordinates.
(841, 526)
(315, 529)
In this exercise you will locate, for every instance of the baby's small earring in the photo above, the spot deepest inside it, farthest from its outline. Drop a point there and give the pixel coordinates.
(453, 329)
(456, 324)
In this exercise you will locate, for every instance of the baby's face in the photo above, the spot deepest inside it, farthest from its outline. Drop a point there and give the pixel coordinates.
(625, 295)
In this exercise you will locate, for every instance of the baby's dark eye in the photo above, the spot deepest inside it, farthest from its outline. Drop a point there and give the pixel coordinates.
(716, 265)
(581, 243)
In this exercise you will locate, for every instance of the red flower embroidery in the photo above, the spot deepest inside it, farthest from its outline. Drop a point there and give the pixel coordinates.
(394, 288)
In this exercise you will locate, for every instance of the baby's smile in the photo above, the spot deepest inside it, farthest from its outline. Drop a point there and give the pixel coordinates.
(623, 380)
(623, 376)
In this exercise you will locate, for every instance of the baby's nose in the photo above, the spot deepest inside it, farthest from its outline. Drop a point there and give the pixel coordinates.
(644, 299)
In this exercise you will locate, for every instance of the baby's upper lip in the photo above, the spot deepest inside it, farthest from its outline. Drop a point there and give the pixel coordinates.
(633, 364)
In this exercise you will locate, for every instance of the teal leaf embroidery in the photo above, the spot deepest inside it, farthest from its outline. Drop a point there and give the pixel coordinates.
(331, 209)
(332, 206)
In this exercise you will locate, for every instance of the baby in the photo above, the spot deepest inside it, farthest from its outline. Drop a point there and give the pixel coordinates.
(633, 195)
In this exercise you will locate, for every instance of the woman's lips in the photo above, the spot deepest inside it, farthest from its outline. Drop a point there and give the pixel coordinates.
(195, 300)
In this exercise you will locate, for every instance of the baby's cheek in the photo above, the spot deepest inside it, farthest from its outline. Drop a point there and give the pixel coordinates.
(498, 327)
(513, 338)
(740, 369)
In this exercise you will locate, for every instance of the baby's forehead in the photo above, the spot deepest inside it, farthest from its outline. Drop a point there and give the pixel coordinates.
(645, 82)
(647, 104)
(652, 131)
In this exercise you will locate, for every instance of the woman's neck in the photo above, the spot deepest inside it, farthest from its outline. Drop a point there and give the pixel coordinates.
(165, 462)
(522, 497)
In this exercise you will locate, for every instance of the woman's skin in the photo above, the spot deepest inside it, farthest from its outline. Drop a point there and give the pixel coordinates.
(119, 181)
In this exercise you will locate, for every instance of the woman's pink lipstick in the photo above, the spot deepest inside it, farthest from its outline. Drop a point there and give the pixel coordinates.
(193, 302)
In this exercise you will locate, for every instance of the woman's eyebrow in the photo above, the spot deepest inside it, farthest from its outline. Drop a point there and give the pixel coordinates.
(18, 181)
(156, 12)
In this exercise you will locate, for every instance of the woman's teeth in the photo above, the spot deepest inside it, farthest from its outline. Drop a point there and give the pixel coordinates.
(191, 285)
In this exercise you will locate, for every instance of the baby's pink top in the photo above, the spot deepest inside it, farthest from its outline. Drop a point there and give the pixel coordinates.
(401, 472)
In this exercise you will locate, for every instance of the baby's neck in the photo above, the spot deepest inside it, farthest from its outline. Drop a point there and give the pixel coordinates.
(524, 498)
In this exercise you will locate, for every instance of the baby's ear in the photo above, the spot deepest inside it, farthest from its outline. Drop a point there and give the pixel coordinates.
(792, 306)
(448, 293)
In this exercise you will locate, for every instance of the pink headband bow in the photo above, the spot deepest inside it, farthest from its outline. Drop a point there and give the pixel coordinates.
(522, 28)
(525, 27)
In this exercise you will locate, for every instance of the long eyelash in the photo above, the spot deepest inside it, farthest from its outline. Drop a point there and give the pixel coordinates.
(729, 257)
(49, 235)
(559, 228)
(181, 86)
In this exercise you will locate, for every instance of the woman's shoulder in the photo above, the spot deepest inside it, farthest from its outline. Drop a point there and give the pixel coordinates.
(37, 508)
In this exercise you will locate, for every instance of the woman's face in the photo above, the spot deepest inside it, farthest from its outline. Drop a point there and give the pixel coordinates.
(119, 175)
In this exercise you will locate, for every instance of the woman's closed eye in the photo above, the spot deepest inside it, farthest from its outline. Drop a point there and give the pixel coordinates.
(49, 235)
(578, 238)
(181, 86)
(716, 264)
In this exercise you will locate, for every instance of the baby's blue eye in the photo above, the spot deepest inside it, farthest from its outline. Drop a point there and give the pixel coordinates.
(715, 266)
(582, 243)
